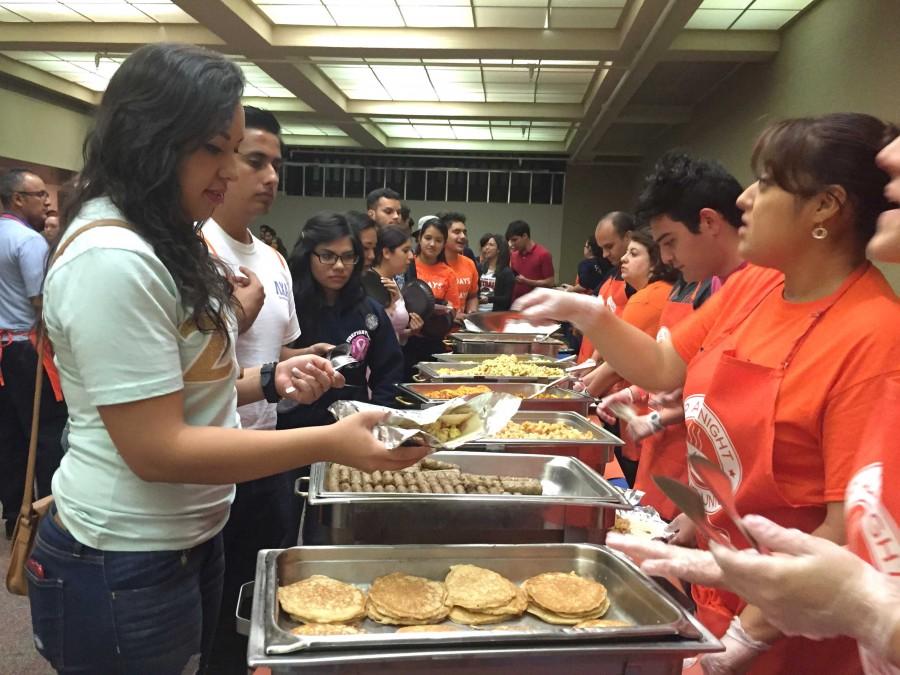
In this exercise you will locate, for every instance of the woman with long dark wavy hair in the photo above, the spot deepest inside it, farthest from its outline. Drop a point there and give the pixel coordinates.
(495, 286)
(126, 573)
(326, 265)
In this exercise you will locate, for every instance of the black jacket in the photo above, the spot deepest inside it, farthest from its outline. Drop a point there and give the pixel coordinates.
(372, 341)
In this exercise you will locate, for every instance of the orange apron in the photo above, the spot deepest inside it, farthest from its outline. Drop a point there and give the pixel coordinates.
(664, 453)
(612, 292)
(729, 408)
(46, 356)
(872, 505)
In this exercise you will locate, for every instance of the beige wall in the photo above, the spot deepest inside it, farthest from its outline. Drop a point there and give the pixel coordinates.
(841, 55)
(591, 193)
(40, 132)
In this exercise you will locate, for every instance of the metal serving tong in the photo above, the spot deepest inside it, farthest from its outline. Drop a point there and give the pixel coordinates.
(719, 484)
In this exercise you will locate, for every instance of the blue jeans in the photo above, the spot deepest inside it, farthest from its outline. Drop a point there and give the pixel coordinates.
(114, 612)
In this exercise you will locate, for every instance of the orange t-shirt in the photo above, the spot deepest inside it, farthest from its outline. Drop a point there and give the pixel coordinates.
(442, 281)
(644, 308)
(829, 385)
(466, 279)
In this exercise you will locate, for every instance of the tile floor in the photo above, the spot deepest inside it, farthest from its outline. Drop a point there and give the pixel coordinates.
(17, 654)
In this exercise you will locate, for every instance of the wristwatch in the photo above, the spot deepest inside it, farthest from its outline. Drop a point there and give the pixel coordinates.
(656, 421)
(267, 381)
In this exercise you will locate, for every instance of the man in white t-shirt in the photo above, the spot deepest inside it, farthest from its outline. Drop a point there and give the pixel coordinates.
(265, 510)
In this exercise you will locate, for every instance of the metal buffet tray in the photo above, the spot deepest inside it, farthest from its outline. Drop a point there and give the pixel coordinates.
(429, 371)
(565, 480)
(504, 343)
(579, 505)
(661, 627)
(568, 399)
(599, 435)
(537, 359)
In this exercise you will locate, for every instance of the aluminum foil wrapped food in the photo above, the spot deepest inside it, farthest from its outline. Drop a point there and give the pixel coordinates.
(445, 426)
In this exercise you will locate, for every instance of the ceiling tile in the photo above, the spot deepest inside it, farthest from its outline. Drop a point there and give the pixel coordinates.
(763, 19)
(509, 17)
(432, 16)
(712, 19)
(44, 11)
(434, 131)
(509, 133)
(584, 18)
(471, 133)
(725, 4)
(400, 130)
(447, 74)
(11, 17)
(365, 13)
(165, 12)
(509, 3)
(588, 3)
(120, 12)
(796, 5)
(298, 15)
(508, 97)
(548, 134)
(553, 97)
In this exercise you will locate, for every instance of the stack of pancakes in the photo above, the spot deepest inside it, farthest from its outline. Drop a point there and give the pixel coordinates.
(326, 606)
(403, 600)
(567, 599)
(480, 596)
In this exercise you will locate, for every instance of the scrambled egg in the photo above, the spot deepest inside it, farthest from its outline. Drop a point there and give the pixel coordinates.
(505, 365)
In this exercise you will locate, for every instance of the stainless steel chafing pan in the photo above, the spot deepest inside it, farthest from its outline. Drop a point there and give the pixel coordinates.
(415, 393)
(661, 634)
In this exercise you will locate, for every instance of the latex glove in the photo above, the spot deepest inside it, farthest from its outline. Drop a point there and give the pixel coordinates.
(812, 587)
(578, 309)
(623, 396)
(665, 560)
(666, 399)
(740, 651)
(644, 425)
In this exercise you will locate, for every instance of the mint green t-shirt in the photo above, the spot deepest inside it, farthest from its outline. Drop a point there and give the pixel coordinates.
(121, 334)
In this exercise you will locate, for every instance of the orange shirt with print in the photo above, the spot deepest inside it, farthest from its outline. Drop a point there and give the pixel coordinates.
(466, 279)
(643, 309)
(828, 388)
(442, 281)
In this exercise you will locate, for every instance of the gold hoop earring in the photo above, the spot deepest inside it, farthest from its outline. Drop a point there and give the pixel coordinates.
(819, 233)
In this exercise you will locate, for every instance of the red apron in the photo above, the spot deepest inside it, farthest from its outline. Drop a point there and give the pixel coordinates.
(872, 505)
(612, 292)
(729, 407)
(664, 453)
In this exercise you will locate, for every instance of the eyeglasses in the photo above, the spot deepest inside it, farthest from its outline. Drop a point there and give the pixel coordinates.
(329, 258)
(43, 194)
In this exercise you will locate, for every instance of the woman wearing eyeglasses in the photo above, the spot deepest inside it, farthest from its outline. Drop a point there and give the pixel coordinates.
(326, 265)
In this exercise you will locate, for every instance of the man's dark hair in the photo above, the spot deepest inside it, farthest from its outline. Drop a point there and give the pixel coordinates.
(680, 186)
(450, 217)
(404, 214)
(10, 183)
(518, 228)
(257, 118)
(381, 193)
(623, 222)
